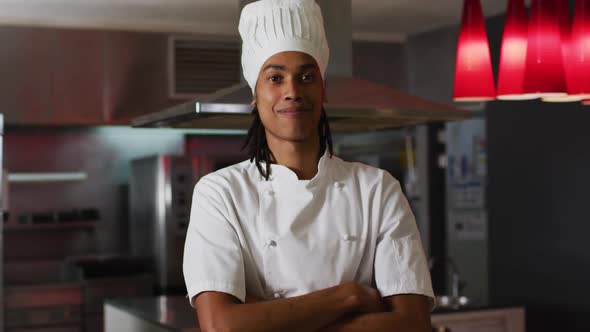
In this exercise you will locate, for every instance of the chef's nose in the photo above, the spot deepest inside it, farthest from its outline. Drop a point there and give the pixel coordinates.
(293, 90)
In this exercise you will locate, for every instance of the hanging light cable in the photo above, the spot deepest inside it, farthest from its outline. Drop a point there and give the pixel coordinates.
(474, 80)
(513, 53)
(544, 73)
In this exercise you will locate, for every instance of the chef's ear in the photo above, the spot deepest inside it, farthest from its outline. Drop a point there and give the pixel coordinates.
(253, 102)
(324, 97)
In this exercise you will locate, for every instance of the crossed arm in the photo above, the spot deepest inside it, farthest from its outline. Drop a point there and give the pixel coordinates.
(348, 307)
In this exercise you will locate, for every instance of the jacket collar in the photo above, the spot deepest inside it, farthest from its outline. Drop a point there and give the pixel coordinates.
(283, 174)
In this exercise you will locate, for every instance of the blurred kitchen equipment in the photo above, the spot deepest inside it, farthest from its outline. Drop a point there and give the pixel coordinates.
(160, 190)
(46, 177)
(78, 215)
(3, 209)
(68, 294)
(441, 329)
(61, 216)
(455, 300)
(411, 184)
(37, 297)
(48, 306)
(4, 191)
(107, 276)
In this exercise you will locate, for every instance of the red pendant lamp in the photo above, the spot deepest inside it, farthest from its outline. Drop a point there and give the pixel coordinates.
(544, 74)
(474, 80)
(581, 48)
(513, 53)
(563, 14)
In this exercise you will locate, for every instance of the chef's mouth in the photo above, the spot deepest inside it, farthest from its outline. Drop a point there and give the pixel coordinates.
(293, 110)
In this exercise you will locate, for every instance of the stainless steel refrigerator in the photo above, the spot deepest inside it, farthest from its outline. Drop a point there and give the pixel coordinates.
(160, 189)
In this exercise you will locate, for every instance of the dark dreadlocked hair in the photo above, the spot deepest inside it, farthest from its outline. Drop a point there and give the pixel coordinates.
(257, 146)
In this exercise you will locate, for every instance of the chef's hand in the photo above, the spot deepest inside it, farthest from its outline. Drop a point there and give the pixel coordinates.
(363, 298)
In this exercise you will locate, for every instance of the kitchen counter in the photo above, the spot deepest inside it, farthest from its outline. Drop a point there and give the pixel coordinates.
(472, 308)
(497, 319)
(150, 314)
(173, 313)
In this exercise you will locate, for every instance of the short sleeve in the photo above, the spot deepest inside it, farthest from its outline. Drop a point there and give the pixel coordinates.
(212, 253)
(400, 261)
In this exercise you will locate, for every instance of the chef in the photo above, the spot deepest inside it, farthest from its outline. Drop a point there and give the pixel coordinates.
(294, 238)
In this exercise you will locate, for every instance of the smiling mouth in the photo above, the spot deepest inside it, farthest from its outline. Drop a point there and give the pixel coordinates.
(292, 110)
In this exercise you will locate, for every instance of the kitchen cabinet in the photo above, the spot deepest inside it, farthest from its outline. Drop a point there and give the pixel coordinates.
(137, 69)
(26, 78)
(52, 242)
(51, 76)
(81, 77)
(97, 290)
(68, 295)
(78, 77)
(492, 320)
(52, 307)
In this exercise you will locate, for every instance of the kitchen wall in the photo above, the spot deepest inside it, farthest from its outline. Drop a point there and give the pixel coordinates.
(388, 68)
(539, 157)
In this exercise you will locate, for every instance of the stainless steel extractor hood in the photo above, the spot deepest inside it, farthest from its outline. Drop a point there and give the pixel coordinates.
(353, 104)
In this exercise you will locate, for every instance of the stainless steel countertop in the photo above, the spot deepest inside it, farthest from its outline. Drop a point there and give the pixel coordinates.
(171, 312)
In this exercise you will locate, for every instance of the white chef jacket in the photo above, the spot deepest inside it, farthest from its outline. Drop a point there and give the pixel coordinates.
(287, 237)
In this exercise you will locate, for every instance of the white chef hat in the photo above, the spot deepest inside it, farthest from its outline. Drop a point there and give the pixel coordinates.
(268, 27)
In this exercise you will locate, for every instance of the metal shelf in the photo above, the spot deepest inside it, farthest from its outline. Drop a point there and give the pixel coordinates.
(46, 177)
(50, 226)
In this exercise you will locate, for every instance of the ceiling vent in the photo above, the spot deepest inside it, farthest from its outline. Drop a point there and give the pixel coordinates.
(200, 67)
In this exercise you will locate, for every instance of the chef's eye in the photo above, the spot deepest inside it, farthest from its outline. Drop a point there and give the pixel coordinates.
(275, 79)
(307, 77)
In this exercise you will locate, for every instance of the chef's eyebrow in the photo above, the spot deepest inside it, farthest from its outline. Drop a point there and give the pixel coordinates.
(283, 68)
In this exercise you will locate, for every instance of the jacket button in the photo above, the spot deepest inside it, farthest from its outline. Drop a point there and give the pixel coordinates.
(271, 243)
(348, 238)
(269, 193)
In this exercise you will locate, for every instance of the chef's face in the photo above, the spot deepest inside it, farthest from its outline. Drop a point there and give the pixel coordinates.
(289, 97)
